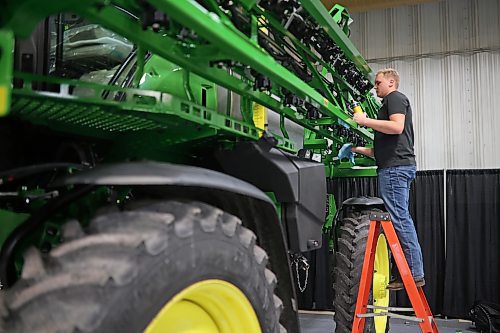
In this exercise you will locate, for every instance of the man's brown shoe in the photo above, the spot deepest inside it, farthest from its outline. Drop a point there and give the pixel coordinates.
(399, 285)
(396, 284)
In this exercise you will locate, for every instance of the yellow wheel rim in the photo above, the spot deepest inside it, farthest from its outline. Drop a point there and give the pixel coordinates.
(380, 280)
(210, 306)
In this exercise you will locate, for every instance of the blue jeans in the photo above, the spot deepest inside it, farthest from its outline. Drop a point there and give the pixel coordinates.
(394, 187)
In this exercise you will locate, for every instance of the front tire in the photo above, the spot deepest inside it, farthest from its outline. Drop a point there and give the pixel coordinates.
(150, 270)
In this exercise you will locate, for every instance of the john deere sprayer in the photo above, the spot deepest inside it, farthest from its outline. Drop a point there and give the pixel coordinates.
(163, 164)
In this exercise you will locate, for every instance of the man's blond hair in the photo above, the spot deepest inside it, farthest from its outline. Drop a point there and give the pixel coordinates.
(390, 73)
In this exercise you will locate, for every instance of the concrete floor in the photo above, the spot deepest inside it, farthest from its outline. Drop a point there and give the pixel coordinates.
(322, 322)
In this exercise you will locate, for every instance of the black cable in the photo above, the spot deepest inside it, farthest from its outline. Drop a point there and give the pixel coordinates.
(30, 170)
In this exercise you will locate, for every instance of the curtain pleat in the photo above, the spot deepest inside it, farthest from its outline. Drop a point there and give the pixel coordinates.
(473, 240)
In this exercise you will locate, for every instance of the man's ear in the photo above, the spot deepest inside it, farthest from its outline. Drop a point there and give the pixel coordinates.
(391, 82)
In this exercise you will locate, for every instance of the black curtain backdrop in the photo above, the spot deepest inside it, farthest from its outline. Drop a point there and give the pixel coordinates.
(473, 239)
(469, 269)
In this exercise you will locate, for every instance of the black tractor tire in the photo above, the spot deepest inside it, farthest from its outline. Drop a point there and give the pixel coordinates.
(351, 245)
(117, 274)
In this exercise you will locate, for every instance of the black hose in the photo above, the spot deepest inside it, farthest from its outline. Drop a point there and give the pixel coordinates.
(7, 268)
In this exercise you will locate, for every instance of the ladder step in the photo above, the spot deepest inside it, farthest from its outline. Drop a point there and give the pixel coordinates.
(389, 314)
(390, 308)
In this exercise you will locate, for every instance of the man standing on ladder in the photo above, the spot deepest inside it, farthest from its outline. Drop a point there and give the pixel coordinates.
(395, 158)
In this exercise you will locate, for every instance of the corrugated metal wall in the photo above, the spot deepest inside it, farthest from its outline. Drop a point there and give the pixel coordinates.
(448, 56)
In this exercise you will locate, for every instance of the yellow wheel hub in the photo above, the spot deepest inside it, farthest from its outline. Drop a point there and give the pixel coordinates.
(380, 280)
(210, 306)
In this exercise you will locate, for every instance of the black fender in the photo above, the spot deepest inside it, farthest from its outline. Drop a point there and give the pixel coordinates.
(371, 202)
(235, 196)
(357, 203)
(298, 184)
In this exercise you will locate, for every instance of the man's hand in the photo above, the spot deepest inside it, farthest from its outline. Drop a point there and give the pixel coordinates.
(363, 150)
(346, 152)
(360, 118)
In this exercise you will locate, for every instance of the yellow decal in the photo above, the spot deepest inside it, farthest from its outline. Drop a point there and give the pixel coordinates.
(3, 100)
(259, 117)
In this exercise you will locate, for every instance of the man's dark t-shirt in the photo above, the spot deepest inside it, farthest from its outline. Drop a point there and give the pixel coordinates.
(395, 149)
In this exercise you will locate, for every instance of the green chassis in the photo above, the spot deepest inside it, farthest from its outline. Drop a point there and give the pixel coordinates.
(158, 105)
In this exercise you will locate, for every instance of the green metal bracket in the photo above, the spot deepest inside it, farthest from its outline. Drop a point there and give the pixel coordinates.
(311, 141)
(341, 16)
(283, 127)
(331, 212)
(246, 109)
(187, 85)
(346, 170)
(248, 4)
(254, 30)
(141, 54)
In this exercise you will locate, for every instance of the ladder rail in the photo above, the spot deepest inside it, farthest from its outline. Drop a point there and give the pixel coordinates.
(366, 275)
(417, 298)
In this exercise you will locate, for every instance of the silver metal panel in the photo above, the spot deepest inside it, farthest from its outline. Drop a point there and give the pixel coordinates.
(448, 56)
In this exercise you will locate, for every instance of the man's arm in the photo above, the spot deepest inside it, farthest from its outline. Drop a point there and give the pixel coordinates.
(394, 125)
(363, 150)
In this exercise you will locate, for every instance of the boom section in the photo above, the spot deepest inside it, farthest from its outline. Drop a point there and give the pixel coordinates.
(289, 56)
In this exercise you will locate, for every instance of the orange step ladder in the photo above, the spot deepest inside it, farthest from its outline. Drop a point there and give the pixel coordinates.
(418, 301)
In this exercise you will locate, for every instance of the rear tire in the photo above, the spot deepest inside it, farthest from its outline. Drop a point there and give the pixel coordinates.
(129, 265)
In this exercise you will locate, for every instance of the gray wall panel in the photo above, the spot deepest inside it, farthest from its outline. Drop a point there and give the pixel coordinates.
(448, 55)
